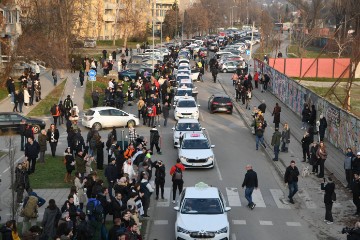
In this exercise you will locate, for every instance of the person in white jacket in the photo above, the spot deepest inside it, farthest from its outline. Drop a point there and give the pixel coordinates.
(26, 97)
(129, 169)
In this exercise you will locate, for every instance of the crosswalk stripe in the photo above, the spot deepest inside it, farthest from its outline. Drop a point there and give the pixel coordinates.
(161, 222)
(166, 201)
(233, 197)
(266, 223)
(278, 194)
(309, 203)
(258, 198)
(239, 222)
(293, 224)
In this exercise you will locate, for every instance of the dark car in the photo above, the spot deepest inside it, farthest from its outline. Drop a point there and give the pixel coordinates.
(10, 121)
(220, 103)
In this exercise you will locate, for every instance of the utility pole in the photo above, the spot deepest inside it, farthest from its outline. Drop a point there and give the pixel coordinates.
(161, 22)
(153, 34)
(252, 38)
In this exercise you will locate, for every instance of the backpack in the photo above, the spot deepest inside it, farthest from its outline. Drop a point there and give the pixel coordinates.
(177, 174)
(95, 210)
(149, 110)
(53, 110)
(30, 209)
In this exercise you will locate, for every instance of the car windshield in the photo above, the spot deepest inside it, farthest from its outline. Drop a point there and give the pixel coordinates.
(89, 113)
(201, 206)
(195, 144)
(183, 93)
(222, 100)
(188, 127)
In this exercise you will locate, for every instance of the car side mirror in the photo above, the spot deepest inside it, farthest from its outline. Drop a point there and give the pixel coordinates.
(212, 146)
(198, 105)
(174, 105)
(227, 209)
(176, 209)
(203, 128)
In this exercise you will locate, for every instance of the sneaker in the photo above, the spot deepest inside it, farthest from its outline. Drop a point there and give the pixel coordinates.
(253, 206)
(292, 201)
(328, 222)
(325, 220)
(173, 201)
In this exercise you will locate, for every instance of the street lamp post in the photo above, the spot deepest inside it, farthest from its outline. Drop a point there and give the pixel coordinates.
(153, 34)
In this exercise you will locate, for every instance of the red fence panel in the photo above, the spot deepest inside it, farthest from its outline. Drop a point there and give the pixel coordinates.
(325, 67)
(292, 67)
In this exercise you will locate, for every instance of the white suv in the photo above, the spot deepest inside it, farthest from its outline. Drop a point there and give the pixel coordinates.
(195, 151)
(186, 107)
(202, 214)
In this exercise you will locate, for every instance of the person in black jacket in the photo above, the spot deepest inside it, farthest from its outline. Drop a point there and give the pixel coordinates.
(305, 143)
(356, 192)
(70, 207)
(22, 129)
(111, 175)
(291, 180)
(329, 188)
(159, 178)
(117, 205)
(262, 106)
(53, 137)
(312, 119)
(305, 116)
(32, 149)
(322, 127)
(250, 182)
(154, 140)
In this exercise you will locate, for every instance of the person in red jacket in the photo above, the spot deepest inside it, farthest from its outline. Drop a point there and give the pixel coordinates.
(176, 173)
(256, 79)
(151, 114)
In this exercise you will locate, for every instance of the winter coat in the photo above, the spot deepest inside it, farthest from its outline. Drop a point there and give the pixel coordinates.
(356, 165)
(276, 139)
(80, 164)
(21, 179)
(56, 135)
(6, 233)
(276, 114)
(50, 220)
(305, 114)
(160, 174)
(128, 168)
(42, 142)
(250, 179)
(291, 174)
(262, 107)
(165, 111)
(26, 96)
(285, 136)
(329, 189)
(348, 160)
(305, 141)
(312, 118)
(154, 136)
(321, 154)
(20, 97)
(323, 124)
(80, 190)
(111, 173)
(32, 150)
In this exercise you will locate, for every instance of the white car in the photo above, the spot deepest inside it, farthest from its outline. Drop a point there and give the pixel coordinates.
(106, 117)
(186, 107)
(185, 126)
(182, 92)
(202, 214)
(195, 151)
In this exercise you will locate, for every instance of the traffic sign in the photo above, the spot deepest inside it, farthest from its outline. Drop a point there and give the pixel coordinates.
(92, 78)
(247, 52)
(92, 73)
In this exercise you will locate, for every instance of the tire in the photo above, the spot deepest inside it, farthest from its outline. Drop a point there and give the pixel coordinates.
(36, 129)
(230, 111)
(225, 70)
(97, 126)
(211, 111)
(131, 122)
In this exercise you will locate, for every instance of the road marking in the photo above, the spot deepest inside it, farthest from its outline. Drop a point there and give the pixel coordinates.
(165, 202)
(293, 224)
(233, 236)
(17, 160)
(307, 199)
(233, 197)
(239, 222)
(278, 194)
(258, 198)
(215, 162)
(266, 223)
(161, 222)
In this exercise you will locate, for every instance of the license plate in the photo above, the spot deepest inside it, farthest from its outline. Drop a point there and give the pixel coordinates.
(222, 109)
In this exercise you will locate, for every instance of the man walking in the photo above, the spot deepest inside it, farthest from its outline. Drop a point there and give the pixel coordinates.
(250, 182)
(53, 138)
(55, 112)
(32, 149)
(291, 180)
(176, 173)
(329, 188)
(356, 193)
(154, 140)
(68, 104)
(275, 141)
(95, 98)
(43, 145)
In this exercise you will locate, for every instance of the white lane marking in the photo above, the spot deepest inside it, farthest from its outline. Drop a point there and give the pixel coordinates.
(161, 222)
(258, 198)
(215, 162)
(233, 236)
(239, 222)
(17, 160)
(309, 203)
(266, 223)
(278, 194)
(293, 224)
(233, 197)
(166, 201)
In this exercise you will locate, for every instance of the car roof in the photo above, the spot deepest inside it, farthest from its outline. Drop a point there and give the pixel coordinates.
(201, 192)
(195, 136)
(221, 95)
(188, 98)
(187, 120)
(104, 108)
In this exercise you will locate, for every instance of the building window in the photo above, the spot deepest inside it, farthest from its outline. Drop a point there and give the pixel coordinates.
(9, 17)
(17, 16)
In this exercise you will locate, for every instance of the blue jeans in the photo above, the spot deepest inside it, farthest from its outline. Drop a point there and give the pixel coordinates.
(293, 188)
(248, 193)
(276, 151)
(259, 139)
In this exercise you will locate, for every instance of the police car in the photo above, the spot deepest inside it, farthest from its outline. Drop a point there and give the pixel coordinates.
(185, 126)
(195, 151)
(186, 107)
(202, 214)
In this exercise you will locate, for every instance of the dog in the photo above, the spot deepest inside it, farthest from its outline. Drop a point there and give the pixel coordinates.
(305, 172)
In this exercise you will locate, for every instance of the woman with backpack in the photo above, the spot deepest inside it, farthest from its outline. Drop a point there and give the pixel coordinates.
(177, 177)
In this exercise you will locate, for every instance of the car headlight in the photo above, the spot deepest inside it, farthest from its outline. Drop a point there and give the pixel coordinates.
(182, 230)
(182, 158)
(211, 158)
(178, 114)
(223, 230)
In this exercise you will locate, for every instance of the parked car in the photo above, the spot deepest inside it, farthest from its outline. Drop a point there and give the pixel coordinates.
(10, 121)
(90, 43)
(229, 66)
(106, 117)
(220, 103)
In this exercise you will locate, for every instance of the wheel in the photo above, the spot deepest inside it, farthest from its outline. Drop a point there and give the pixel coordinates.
(36, 129)
(131, 122)
(225, 70)
(97, 126)
(230, 112)
(211, 110)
